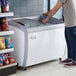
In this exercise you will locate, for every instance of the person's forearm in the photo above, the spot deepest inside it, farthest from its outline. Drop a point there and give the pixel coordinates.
(55, 9)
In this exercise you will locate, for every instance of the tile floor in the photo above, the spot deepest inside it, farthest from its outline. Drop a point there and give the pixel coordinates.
(52, 68)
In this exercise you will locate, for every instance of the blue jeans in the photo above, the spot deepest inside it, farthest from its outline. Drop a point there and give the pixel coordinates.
(70, 36)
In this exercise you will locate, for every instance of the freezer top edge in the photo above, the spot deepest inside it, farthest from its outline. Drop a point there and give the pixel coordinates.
(43, 28)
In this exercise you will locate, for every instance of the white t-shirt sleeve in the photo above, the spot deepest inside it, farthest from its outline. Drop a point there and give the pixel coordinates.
(63, 1)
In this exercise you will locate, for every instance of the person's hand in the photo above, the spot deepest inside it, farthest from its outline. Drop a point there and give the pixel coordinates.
(45, 20)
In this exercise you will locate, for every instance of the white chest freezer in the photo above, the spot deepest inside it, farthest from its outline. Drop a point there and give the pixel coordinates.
(37, 43)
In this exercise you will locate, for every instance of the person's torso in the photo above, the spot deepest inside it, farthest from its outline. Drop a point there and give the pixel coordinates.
(70, 13)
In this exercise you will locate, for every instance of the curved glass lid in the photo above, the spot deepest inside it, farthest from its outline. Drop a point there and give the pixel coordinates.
(28, 22)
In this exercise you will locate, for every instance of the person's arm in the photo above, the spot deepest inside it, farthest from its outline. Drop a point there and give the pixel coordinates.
(53, 11)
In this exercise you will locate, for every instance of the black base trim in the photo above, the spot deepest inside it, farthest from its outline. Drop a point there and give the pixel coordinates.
(8, 71)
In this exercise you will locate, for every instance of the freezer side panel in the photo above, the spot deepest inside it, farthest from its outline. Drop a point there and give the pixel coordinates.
(19, 41)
